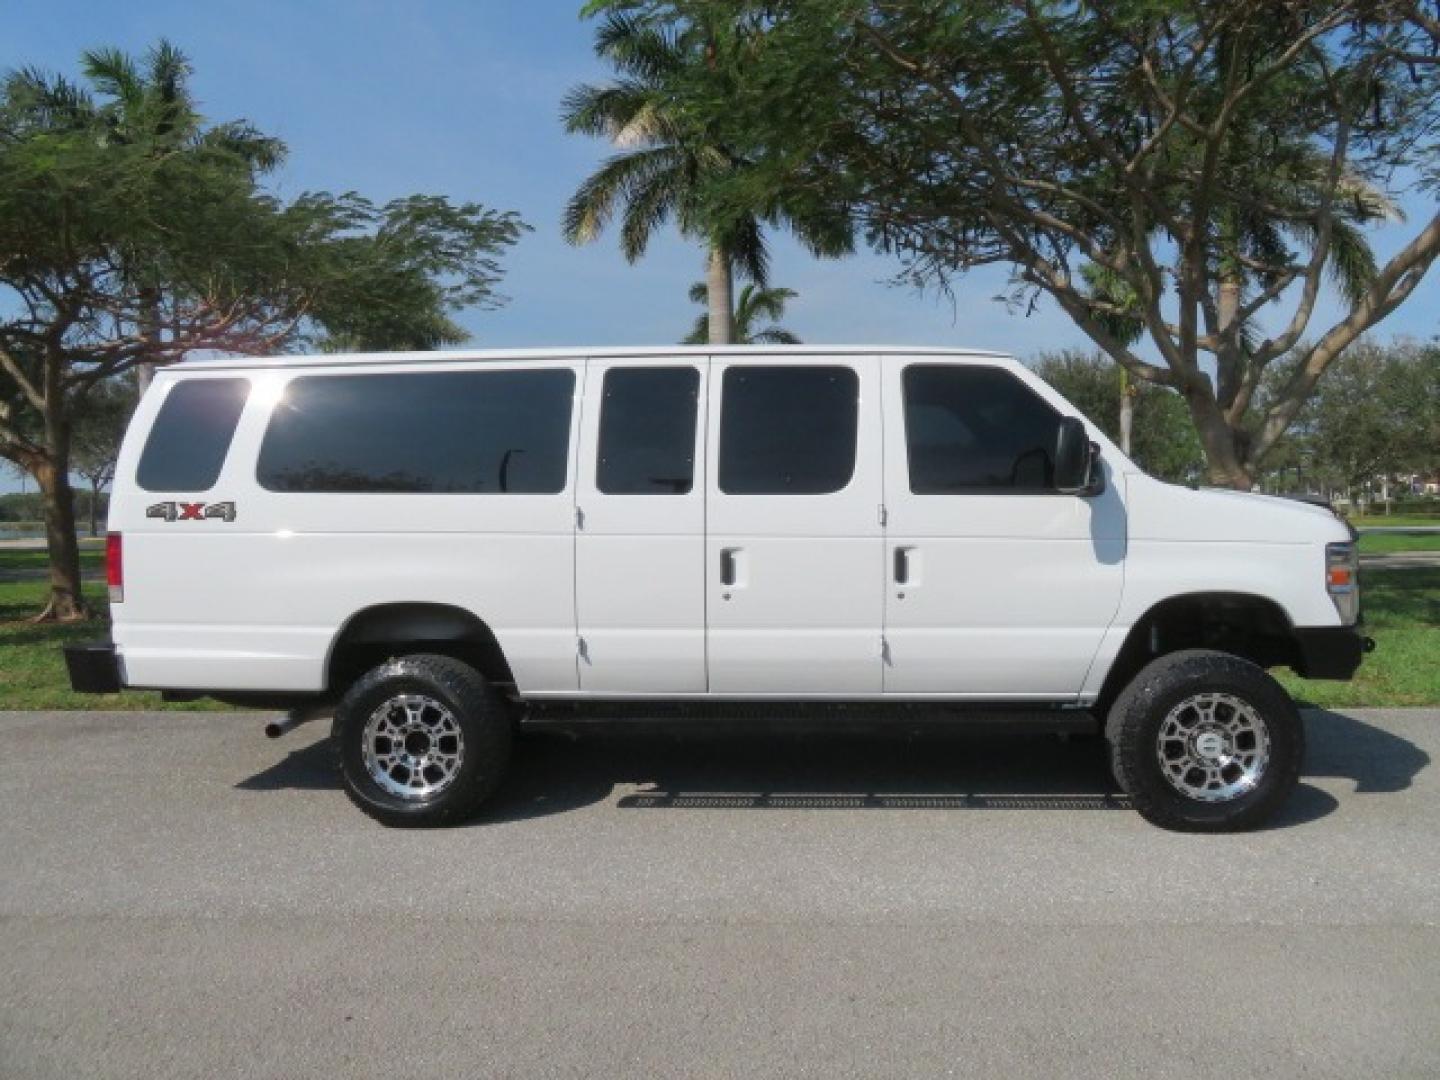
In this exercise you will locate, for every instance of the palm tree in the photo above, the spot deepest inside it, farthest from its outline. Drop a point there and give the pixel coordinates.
(153, 107)
(755, 302)
(666, 168)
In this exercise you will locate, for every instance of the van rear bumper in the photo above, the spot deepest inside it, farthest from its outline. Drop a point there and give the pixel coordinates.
(1330, 652)
(94, 668)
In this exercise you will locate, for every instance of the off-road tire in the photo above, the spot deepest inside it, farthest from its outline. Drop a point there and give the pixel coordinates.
(485, 725)
(1134, 723)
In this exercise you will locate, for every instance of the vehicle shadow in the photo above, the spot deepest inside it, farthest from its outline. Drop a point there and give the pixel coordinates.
(889, 769)
(1344, 747)
(878, 769)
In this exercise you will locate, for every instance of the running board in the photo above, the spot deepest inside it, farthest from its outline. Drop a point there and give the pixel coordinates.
(818, 716)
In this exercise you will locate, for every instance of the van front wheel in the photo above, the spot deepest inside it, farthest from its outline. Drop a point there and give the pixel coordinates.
(1204, 741)
(423, 741)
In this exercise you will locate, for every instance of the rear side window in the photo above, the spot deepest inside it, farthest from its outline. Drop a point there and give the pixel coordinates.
(493, 432)
(191, 435)
(976, 428)
(788, 430)
(647, 431)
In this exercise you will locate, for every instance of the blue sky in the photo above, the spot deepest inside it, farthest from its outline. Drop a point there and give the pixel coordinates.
(461, 97)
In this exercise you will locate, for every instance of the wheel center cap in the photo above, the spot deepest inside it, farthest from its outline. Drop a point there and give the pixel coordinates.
(1210, 745)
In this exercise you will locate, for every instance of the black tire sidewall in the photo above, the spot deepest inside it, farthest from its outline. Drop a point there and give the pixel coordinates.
(483, 727)
(1134, 729)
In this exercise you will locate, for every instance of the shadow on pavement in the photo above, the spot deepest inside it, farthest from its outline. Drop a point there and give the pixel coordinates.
(843, 771)
(555, 772)
(1348, 748)
(311, 768)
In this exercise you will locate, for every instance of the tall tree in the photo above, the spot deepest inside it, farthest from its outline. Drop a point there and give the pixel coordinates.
(667, 165)
(125, 241)
(755, 303)
(1204, 154)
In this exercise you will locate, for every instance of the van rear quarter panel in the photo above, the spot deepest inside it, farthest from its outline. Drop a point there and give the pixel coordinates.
(257, 603)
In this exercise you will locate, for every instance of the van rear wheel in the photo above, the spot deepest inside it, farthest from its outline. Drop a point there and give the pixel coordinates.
(424, 740)
(1204, 741)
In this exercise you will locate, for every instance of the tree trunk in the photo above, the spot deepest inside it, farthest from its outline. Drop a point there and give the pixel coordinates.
(1127, 411)
(1224, 464)
(150, 331)
(1228, 365)
(67, 603)
(720, 292)
(94, 508)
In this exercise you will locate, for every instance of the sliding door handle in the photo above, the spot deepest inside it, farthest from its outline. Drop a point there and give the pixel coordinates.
(727, 566)
(902, 566)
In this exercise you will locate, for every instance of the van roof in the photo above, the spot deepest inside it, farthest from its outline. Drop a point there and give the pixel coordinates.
(571, 353)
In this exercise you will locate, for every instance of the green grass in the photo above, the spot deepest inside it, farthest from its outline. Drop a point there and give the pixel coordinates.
(92, 558)
(1389, 543)
(1402, 614)
(1361, 521)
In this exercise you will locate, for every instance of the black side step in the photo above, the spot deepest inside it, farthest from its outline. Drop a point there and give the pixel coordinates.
(805, 716)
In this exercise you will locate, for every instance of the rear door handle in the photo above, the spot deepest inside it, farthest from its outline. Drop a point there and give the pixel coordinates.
(727, 566)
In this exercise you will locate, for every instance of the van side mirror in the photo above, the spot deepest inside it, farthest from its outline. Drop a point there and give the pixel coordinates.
(1077, 460)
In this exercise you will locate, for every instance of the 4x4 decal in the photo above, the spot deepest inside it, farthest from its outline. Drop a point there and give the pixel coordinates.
(191, 511)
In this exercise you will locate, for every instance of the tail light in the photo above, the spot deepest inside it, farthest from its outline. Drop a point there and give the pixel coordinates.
(114, 567)
(1342, 580)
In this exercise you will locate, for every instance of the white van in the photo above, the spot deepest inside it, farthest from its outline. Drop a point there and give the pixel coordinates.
(438, 546)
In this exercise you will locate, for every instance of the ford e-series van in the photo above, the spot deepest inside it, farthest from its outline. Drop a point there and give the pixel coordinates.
(438, 546)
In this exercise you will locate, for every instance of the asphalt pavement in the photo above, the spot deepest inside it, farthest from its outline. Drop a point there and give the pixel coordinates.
(181, 897)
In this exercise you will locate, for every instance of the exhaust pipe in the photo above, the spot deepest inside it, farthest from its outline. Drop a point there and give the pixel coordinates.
(293, 719)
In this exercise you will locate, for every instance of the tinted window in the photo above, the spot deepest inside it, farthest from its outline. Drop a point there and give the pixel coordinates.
(191, 435)
(647, 431)
(460, 431)
(788, 430)
(976, 429)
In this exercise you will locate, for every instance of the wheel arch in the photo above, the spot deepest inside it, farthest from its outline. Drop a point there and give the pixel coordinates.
(376, 633)
(1248, 625)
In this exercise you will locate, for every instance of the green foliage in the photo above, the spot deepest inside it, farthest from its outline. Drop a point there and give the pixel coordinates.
(142, 232)
(390, 277)
(754, 303)
(1212, 160)
(1376, 414)
(1163, 438)
(669, 166)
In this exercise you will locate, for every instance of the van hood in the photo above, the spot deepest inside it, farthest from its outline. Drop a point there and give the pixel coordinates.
(1160, 511)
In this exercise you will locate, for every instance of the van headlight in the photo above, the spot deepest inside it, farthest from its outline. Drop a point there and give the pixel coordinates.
(1342, 580)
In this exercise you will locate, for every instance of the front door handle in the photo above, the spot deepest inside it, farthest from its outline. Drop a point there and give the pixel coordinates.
(902, 566)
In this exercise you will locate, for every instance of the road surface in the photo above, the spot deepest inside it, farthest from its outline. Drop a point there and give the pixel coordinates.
(181, 897)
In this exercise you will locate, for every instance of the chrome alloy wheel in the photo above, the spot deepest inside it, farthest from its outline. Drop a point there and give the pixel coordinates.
(413, 746)
(1213, 747)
